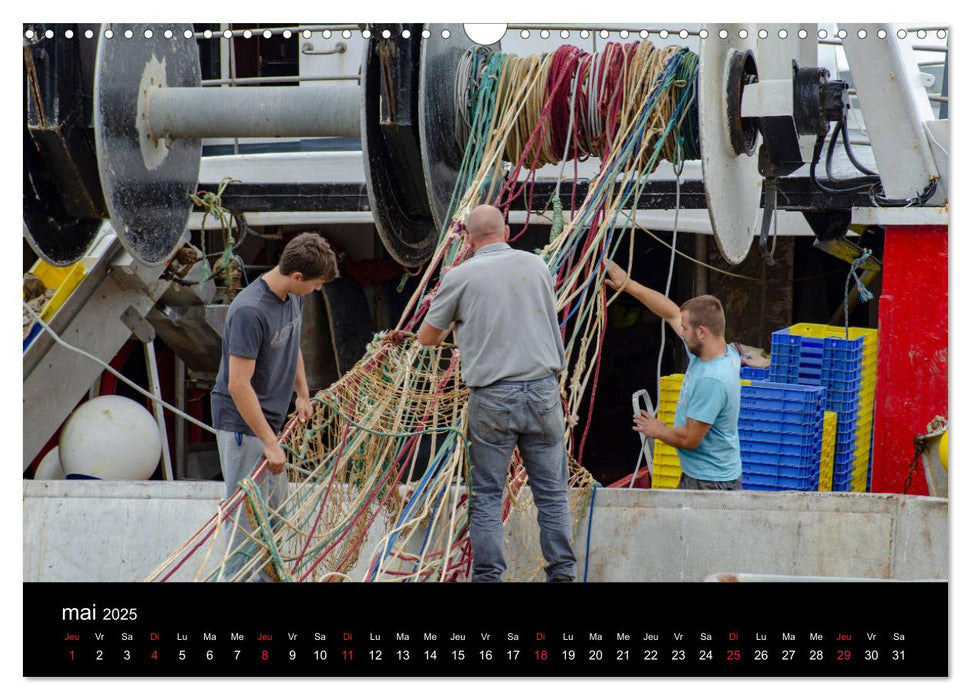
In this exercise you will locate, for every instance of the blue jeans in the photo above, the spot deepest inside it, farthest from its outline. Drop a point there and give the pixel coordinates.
(501, 416)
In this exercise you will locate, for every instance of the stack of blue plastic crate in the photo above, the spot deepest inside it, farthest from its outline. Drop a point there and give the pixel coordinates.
(780, 428)
(835, 364)
(796, 359)
(756, 374)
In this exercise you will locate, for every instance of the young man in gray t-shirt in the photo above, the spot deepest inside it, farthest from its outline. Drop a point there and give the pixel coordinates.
(261, 366)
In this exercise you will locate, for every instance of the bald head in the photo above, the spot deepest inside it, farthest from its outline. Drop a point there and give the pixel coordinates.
(485, 225)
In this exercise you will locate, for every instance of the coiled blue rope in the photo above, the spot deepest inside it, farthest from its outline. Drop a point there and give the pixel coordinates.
(865, 294)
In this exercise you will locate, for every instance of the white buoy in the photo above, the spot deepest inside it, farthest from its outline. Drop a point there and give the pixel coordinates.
(50, 467)
(110, 438)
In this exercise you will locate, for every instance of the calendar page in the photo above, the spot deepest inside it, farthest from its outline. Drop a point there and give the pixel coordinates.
(313, 309)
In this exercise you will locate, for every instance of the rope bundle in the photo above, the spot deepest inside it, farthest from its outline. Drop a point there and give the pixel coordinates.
(578, 103)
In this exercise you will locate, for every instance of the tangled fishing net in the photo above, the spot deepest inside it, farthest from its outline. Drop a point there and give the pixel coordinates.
(377, 475)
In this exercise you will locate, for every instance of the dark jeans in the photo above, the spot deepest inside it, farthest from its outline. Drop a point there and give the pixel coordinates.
(690, 483)
(501, 416)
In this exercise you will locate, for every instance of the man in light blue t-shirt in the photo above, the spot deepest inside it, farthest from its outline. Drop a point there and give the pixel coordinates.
(705, 431)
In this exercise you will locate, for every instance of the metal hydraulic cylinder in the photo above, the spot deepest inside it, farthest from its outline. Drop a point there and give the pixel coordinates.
(195, 112)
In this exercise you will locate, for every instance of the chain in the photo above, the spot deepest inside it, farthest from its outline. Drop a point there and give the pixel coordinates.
(918, 448)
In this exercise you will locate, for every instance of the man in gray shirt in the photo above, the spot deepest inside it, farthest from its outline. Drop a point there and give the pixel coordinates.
(501, 305)
(262, 365)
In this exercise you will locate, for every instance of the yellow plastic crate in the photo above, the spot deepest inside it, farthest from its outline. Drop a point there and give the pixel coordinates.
(861, 466)
(666, 470)
(63, 279)
(827, 452)
(668, 400)
(830, 422)
(665, 455)
(672, 381)
(861, 458)
(662, 481)
(864, 430)
(668, 396)
(826, 477)
(667, 466)
(822, 330)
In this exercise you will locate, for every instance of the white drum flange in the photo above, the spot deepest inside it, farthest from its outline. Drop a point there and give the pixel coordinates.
(733, 185)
